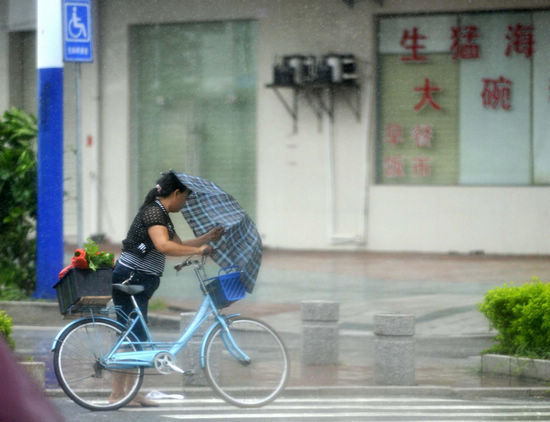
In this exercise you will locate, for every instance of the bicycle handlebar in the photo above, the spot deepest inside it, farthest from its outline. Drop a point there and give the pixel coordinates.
(191, 261)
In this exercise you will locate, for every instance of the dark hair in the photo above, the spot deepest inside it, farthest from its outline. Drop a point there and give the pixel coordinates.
(167, 184)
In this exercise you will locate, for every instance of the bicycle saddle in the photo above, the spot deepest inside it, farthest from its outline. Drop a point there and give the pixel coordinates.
(129, 289)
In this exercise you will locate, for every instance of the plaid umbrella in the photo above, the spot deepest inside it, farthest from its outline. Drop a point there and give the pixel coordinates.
(208, 206)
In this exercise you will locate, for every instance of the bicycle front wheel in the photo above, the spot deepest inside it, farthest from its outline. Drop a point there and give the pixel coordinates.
(80, 369)
(248, 367)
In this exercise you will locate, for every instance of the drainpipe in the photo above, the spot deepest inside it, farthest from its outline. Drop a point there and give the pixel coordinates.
(360, 237)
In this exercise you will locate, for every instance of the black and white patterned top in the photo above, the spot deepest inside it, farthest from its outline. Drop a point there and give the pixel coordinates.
(138, 250)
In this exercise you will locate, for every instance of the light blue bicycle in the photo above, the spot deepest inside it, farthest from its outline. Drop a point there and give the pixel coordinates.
(245, 360)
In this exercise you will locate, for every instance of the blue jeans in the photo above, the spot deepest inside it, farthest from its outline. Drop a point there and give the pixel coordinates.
(149, 281)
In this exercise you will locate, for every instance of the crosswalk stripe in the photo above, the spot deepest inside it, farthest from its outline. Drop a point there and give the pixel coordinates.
(304, 401)
(317, 415)
(317, 399)
(279, 401)
(352, 408)
(321, 406)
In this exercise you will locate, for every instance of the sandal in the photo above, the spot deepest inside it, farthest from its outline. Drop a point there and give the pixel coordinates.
(134, 404)
(144, 401)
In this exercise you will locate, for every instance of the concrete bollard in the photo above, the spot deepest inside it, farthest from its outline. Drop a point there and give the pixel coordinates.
(189, 357)
(320, 332)
(394, 361)
(37, 371)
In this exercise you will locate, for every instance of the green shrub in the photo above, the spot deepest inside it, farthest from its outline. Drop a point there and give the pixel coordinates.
(17, 204)
(6, 329)
(521, 315)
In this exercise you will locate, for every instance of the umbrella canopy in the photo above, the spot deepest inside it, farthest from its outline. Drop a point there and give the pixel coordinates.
(208, 206)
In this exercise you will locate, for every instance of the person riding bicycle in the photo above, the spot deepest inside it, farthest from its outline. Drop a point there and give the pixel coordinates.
(150, 238)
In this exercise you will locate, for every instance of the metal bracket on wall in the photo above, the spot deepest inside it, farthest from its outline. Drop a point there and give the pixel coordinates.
(315, 98)
(292, 109)
(354, 106)
(319, 103)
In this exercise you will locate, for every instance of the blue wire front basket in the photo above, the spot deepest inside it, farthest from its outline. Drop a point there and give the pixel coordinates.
(226, 288)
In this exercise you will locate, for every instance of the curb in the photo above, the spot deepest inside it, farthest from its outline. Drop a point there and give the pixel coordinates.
(374, 391)
(419, 391)
(164, 322)
(43, 313)
(513, 366)
(32, 312)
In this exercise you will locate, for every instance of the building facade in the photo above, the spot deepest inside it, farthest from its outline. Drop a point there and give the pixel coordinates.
(437, 141)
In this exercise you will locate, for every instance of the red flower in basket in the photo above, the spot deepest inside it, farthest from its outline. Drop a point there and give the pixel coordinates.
(89, 257)
(79, 259)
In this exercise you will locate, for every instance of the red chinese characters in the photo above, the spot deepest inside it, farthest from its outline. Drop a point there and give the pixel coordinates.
(421, 166)
(403, 165)
(464, 46)
(394, 166)
(520, 40)
(427, 98)
(394, 134)
(411, 41)
(464, 42)
(496, 93)
(422, 136)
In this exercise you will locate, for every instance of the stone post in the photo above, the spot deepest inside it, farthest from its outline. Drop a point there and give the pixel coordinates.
(394, 361)
(37, 371)
(320, 332)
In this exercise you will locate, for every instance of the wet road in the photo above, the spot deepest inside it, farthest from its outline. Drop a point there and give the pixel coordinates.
(331, 408)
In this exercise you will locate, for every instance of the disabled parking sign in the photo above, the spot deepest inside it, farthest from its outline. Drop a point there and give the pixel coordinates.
(77, 31)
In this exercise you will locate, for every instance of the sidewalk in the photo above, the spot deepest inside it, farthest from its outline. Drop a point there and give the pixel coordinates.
(442, 291)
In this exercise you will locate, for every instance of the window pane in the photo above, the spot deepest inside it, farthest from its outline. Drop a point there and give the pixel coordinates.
(541, 98)
(418, 146)
(193, 104)
(486, 121)
(495, 146)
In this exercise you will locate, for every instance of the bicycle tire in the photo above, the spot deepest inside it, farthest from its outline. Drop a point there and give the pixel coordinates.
(78, 366)
(252, 384)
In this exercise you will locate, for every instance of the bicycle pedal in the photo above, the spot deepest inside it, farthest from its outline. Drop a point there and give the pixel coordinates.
(188, 373)
(176, 368)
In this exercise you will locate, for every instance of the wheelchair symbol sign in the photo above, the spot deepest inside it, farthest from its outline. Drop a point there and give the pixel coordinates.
(77, 34)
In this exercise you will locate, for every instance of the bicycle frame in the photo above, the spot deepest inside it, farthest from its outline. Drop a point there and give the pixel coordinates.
(119, 359)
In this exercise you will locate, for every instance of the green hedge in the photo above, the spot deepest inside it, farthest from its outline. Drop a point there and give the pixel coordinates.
(521, 314)
(6, 329)
(18, 131)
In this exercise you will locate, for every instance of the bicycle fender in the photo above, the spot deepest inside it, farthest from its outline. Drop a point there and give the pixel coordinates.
(70, 325)
(207, 334)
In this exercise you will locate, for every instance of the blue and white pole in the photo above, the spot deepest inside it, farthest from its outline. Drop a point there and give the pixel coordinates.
(49, 59)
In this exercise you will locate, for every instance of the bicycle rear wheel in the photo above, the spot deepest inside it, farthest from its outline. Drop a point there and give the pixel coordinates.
(251, 383)
(79, 368)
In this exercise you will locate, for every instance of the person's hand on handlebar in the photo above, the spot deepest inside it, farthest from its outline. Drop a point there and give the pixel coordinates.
(206, 250)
